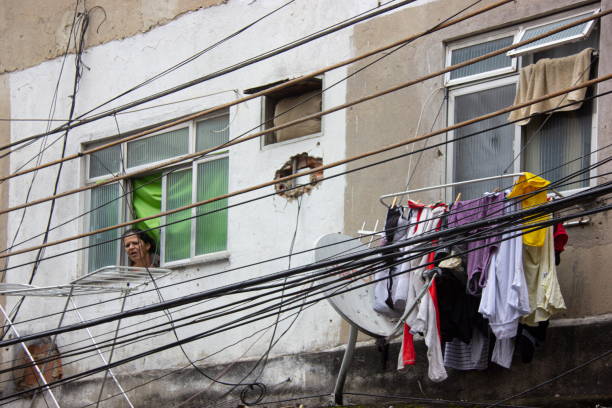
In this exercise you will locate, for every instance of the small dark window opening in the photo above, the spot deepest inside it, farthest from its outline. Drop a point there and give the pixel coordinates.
(288, 104)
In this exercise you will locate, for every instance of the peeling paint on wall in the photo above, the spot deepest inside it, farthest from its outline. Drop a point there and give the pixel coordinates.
(33, 31)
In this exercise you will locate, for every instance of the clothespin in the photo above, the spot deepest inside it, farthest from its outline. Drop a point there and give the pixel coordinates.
(557, 193)
(394, 202)
(457, 198)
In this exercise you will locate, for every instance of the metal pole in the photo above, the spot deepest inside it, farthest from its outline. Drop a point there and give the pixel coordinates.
(346, 363)
(76, 310)
(25, 348)
(112, 350)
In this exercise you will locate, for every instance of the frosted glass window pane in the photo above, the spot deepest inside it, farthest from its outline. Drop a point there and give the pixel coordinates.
(158, 147)
(566, 35)
(561, 147)
(212, 132)
(106, 161)
(178, 236)
(105, 212)
(460, 55)
(486, 154)
(211, 229)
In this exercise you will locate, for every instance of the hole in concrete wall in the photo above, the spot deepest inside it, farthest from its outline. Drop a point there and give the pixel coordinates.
(297, 164)
(47, 356)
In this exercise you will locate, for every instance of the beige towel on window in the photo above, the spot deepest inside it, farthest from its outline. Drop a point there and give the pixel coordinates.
(550, 75)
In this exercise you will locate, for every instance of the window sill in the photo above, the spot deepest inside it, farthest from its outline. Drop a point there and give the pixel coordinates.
(198, 260)
(286, 142)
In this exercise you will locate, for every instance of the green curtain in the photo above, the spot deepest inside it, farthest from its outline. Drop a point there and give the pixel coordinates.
(146, 200)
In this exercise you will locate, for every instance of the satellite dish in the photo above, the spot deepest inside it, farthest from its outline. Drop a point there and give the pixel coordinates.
(355, 306)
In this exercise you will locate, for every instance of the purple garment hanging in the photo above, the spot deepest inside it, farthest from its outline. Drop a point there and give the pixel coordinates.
(465, 212)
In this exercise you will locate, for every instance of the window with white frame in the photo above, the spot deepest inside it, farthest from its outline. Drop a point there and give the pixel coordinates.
(181, 236)
(554, 145)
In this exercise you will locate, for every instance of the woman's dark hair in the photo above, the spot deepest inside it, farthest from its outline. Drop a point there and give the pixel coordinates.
(143, 236)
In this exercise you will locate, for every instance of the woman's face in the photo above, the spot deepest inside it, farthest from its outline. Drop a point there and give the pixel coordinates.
(136, 249)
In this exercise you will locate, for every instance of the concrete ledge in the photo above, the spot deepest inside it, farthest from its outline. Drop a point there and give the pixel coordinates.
(295, 376)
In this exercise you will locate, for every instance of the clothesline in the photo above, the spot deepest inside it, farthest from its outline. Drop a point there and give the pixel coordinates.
(457, 183)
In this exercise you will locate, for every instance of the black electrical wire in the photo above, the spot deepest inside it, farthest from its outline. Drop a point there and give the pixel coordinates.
(82, 20)
(241, 302)
(179, 369)
(225, 327)
(86, 339)
(93, 351)
(342, 173)
(284, 112)
(278, 315)
(218, 73)
(163, 73)
(549, 207)
(174, 371)
(66, 355)
(298, 312)
(52, 108)
(571, 176)
(31, 184)
(259, 288)
(221, 312)
(362, 101)
(293, 399)
(552, 186)
(556, 205)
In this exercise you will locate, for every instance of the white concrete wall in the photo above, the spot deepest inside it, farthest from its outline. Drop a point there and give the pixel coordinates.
(259, 230)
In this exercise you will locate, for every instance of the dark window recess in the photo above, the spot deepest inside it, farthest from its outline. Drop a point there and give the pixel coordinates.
(296, 164)
(289, 104)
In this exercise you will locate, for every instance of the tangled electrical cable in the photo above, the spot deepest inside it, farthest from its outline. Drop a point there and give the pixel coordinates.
(336, 27)
(257, 315)
(277, 115)
(556, 185)
(302, 78)
(325, 178)
(255, 284)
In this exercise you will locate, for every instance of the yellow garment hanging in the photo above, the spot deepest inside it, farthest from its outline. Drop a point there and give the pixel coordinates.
(526, 184)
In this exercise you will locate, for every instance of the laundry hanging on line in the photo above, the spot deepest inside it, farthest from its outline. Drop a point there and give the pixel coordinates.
(488, 292)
